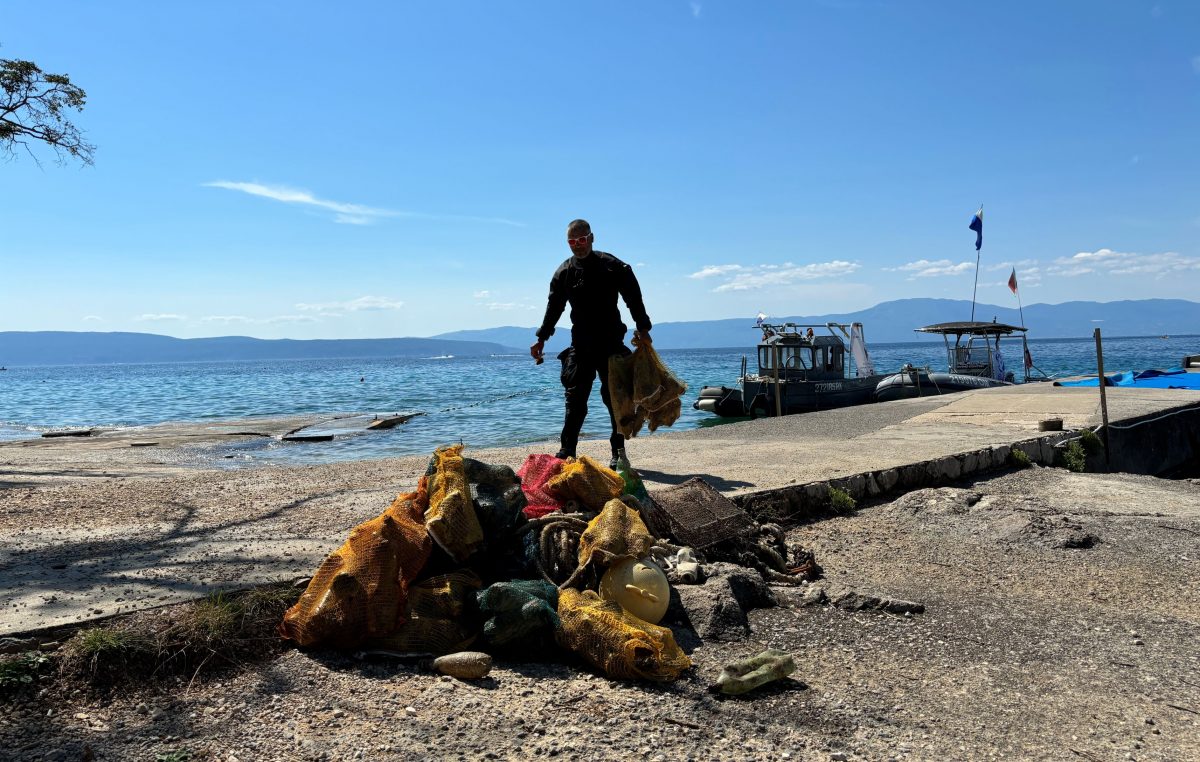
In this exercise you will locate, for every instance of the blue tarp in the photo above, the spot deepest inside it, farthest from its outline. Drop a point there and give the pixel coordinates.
(1175, 378)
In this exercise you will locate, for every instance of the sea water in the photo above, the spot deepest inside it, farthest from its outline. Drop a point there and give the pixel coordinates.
(481, 401)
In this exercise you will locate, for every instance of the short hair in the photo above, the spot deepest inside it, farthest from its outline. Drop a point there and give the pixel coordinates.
(578, 227)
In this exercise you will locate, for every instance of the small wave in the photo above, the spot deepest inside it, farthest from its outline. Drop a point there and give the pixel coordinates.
(441, 357)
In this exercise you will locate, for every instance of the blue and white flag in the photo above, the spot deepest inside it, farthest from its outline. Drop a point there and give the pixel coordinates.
(977, 226)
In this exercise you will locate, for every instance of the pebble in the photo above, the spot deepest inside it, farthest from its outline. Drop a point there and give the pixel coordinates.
(838, 756)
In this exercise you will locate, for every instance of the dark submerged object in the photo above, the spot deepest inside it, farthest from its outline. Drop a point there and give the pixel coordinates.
(798, 371)
(975, 361)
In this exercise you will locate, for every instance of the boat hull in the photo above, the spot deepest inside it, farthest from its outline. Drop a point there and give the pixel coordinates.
(807, 396)
(724, 401)
(919, 383)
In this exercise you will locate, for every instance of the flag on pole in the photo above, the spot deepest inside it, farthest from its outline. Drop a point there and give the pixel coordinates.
(1028, 358)
(1012, 281)
(977, 226)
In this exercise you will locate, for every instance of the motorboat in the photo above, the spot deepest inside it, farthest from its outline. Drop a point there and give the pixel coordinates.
(799, 367)
(975, 360)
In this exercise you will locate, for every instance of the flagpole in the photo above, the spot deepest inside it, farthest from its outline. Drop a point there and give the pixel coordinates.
(975, 290)
(978, 245)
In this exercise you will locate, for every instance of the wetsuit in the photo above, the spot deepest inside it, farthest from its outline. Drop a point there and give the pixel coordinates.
(591, 286)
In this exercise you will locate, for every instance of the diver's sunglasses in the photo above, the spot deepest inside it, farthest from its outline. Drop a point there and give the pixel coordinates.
(579, 241)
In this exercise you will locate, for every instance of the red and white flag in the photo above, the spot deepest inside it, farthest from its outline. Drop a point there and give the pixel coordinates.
(1012, 281)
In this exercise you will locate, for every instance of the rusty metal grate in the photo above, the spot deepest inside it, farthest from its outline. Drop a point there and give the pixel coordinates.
(699, 515)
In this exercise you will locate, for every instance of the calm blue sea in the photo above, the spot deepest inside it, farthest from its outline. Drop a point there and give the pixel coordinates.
(483, 401)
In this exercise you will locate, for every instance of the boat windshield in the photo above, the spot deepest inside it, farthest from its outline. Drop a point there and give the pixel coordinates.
(790, 357)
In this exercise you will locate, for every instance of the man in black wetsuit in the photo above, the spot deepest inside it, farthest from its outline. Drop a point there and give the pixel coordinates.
(590, 281)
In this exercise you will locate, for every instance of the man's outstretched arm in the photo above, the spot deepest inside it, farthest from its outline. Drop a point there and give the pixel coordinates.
(631, 292)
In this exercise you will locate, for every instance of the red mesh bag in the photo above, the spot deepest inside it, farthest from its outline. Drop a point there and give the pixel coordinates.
(535, 472)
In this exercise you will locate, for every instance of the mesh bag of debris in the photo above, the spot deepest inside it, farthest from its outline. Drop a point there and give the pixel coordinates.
(497, 496)
(535, 472)
(617, 642)
(617, 532)
(440, 616)
(643, 389)
(520, 615)
(450, 517)
(586, 482)
(361, 589)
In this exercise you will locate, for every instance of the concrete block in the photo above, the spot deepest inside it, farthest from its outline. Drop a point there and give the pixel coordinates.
(887, 480)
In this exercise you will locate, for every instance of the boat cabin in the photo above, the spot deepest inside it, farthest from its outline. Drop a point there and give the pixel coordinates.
(801, 356)
(976, 348)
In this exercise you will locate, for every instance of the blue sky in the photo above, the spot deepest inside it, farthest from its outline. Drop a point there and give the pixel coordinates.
(313, 170)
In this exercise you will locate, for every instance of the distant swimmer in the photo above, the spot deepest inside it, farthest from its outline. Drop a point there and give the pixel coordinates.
(361, 379)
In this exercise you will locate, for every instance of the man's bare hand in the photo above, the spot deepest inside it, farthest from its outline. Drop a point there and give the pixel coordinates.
(536, 351)
(641, 338)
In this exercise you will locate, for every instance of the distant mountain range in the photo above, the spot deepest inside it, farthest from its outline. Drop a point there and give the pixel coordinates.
(884, 323)
(73, 348)
(894, 322)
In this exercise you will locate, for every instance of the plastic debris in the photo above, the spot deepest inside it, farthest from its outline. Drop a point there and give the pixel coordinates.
(638, 586)
(745, 675)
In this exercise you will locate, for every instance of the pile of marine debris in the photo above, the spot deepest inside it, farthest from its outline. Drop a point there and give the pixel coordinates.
(566, 554)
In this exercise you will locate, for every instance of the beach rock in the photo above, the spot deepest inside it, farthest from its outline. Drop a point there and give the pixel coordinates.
(465, 665)
(717, 609)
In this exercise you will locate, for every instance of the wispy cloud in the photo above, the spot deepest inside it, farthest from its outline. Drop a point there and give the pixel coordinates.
(1123, 263)
(925, 268)
(349, 214)
(92, 318)
(508, 306)
(344, 213)
(226, 319)
(746, 277)
(696, 8)
(1020, 264)
(361, 304)
(244, 320)
(482, 294)
(160, 316)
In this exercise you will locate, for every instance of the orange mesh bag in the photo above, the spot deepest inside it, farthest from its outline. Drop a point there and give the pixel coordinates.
(450, 517)
(438, 616)
(361, 589)
(586, 482)
(643, 388)
(615, 641)
(617, 533)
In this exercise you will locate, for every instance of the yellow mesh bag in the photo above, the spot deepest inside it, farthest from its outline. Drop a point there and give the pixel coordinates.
(665, 415)
(615, 641)
(451, 518)
(361, 589)
(643, 388)
(618, 532)
(587, 482)
(437, 616)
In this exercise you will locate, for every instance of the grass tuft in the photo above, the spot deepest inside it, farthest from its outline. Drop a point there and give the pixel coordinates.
(1074, 457)
(840, 500)
(108, 654)
(1019, 458)
(1091, 443)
